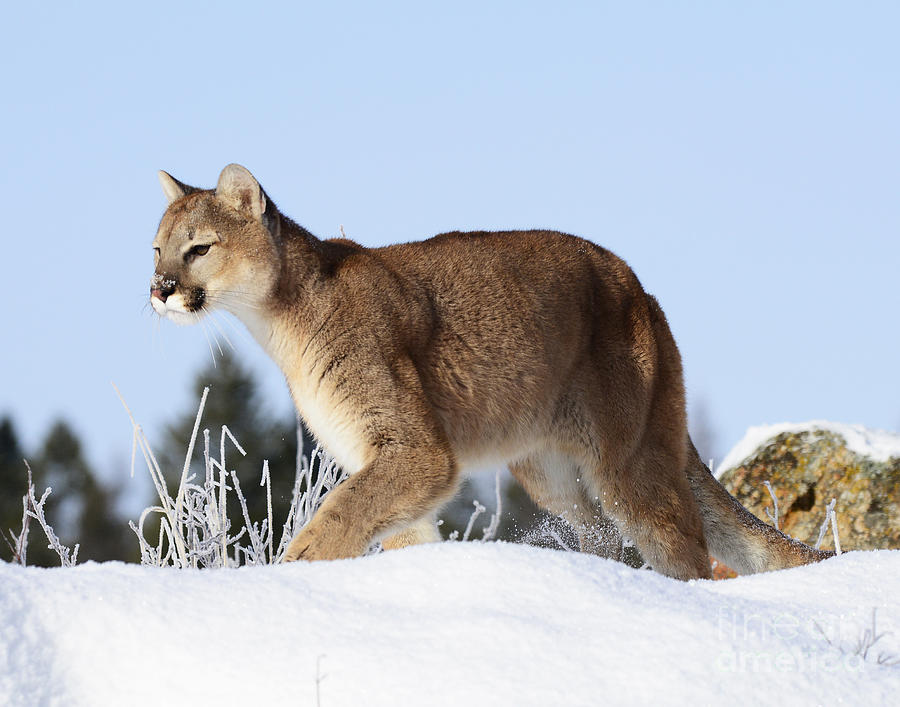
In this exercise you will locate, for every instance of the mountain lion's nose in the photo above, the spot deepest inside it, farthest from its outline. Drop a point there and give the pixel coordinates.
(162, 293)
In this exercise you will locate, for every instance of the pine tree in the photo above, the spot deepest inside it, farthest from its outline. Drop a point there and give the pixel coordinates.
(234, 400)
(12, 481)
(81, 508)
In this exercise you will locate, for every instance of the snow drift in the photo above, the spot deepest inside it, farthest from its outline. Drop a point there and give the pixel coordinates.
(449, 624)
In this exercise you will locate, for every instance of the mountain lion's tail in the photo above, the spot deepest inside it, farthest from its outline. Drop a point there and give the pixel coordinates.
(735, 536)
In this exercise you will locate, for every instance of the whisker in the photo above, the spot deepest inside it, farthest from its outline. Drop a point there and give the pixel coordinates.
(237, 329)
(227, 304)
(212, 337)
(235, 292)
(158, 337)
(222, 332)
(226, 297)
(206, 334)
(212, 333)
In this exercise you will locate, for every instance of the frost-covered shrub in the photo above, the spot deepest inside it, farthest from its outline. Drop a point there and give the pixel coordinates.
(33, 508)
(194, 527)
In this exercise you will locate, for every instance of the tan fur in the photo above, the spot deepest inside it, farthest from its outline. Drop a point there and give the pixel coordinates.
(533, 348)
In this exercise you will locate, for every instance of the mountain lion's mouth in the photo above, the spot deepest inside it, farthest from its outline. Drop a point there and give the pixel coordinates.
(175, 309)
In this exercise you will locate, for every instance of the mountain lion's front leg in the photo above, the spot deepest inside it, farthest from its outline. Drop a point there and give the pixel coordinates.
(400, 488)
(412, 472)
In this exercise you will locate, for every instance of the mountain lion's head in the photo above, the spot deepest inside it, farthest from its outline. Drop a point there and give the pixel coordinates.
(215, 248)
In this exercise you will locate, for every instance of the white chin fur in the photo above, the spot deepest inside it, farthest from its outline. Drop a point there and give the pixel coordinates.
(183, 318)
(174, 310)
(158, 306)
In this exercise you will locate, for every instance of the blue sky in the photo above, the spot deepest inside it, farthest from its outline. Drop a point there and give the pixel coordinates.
(744, 160)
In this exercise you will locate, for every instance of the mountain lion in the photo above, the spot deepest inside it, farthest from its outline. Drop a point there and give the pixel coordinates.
(413, 361)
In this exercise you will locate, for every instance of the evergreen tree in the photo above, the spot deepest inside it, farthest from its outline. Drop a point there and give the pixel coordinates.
(81, 509)
(12, 480)
(234, 400)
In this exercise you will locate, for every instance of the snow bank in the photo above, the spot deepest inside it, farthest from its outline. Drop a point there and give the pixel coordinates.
(446, 624)
(875, 444)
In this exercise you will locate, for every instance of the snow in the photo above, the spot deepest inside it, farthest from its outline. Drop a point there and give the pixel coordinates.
(875, 444)
(447, 624)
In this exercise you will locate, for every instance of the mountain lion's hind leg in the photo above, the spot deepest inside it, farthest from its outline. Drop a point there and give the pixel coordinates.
(651, 502)
(422, 531)
(553, 482)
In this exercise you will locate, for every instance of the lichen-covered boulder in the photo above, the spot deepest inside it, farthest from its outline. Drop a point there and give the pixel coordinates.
(810, 464)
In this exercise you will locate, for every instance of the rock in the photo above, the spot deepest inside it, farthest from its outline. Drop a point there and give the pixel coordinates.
(807, 466)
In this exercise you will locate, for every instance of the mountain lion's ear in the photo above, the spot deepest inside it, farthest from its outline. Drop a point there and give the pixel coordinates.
(240, 189)
(172, 188)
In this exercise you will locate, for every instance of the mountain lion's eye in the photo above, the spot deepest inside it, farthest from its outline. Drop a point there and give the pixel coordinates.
(198, 250)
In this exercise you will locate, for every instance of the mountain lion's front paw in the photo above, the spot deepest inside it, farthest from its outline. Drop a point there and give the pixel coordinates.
(316, 543)
(295, 551)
